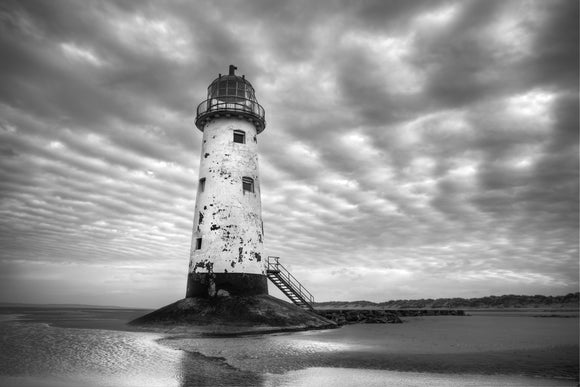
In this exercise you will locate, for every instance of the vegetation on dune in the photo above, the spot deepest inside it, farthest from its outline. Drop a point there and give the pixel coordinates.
(505, 301)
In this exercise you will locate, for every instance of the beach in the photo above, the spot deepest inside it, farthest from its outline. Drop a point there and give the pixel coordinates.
(59, 346)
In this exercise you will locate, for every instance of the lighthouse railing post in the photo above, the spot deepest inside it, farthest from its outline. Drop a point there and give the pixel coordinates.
(273, 263)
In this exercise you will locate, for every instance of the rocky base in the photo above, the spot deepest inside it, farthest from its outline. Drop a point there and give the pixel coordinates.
(428, 312)
(343, 317)
(231, 315)
(381, 316)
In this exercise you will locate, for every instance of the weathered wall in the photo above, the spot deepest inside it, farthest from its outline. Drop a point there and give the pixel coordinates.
(228, 220)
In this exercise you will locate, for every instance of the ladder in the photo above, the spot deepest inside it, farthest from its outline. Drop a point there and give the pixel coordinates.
(288, 284)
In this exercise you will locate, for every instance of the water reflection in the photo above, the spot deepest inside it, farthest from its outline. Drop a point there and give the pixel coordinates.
(198, 370)
(34, 354)
(343, 377)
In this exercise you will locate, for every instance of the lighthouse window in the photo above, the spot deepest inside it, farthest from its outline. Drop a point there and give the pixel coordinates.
(248, 184)
(198, 244)
(202, 184)
(239, 136)
(213, 90)
(241, 90)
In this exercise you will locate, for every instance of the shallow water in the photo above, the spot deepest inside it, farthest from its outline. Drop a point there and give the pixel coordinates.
(434, 351)
(469, 345)
(97, 357)
(344, 377)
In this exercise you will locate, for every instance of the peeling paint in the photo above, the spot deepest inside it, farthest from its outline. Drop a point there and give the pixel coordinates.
(226, 174)
(232, 230)
(205, 264)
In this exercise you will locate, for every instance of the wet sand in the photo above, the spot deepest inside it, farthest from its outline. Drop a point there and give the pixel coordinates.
(377, 378)
(484, 345)
(489, 350)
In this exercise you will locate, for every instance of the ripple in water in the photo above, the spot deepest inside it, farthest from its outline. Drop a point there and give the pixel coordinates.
(33, 354)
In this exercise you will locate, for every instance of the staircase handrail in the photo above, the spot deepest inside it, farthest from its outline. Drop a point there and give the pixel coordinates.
(292, 281)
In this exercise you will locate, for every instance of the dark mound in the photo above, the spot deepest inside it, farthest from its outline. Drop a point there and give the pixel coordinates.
(233, 314)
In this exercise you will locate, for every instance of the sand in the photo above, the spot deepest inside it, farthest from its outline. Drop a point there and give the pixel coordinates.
(469, 345)
(498, 349)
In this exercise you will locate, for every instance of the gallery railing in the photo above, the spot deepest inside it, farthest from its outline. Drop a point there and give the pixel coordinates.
(232, 105)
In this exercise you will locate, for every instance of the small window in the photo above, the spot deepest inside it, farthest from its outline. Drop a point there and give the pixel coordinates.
(213, 90)
(198, 244)
(248, 184)
(231, 87)
(202, 184)
(239, 136)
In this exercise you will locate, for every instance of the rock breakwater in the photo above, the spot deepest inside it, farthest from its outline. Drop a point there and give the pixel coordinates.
(381, 316)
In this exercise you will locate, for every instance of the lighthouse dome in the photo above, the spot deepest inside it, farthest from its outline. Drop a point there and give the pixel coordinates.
(231, 95)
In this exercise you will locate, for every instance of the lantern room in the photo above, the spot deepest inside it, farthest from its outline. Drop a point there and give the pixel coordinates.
(231, 96)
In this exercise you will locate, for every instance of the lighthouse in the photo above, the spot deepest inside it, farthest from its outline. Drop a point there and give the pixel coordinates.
(227, 276)
(226, 256)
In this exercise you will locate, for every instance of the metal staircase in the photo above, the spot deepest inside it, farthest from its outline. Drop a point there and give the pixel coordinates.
(288, 284)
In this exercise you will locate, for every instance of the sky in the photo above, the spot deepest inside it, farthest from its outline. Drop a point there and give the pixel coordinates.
(413, 149)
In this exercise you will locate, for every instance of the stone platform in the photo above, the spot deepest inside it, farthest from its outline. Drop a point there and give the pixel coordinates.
(231, 315)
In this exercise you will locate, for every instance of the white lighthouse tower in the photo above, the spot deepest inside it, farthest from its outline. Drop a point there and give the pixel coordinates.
(228, 273)
(227, 243)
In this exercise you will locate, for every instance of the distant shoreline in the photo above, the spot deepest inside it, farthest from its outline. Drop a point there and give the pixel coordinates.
(568, 302)
(509, 301)
(490, 309)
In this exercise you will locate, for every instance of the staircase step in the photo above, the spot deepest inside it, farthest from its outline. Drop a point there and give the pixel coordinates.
(278, 278)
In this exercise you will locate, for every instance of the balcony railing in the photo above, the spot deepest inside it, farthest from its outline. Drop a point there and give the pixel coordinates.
(230, 105)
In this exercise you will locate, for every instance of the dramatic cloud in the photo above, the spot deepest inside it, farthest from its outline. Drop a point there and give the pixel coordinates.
(413, 148)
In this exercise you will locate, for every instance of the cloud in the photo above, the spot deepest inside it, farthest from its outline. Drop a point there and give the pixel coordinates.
(412, 149)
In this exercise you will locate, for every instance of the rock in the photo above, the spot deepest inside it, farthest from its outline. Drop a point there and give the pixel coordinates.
(234, 312)
(393, 318)
(376, 316)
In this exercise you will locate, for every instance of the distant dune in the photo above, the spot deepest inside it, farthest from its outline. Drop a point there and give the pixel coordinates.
(569, 301)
